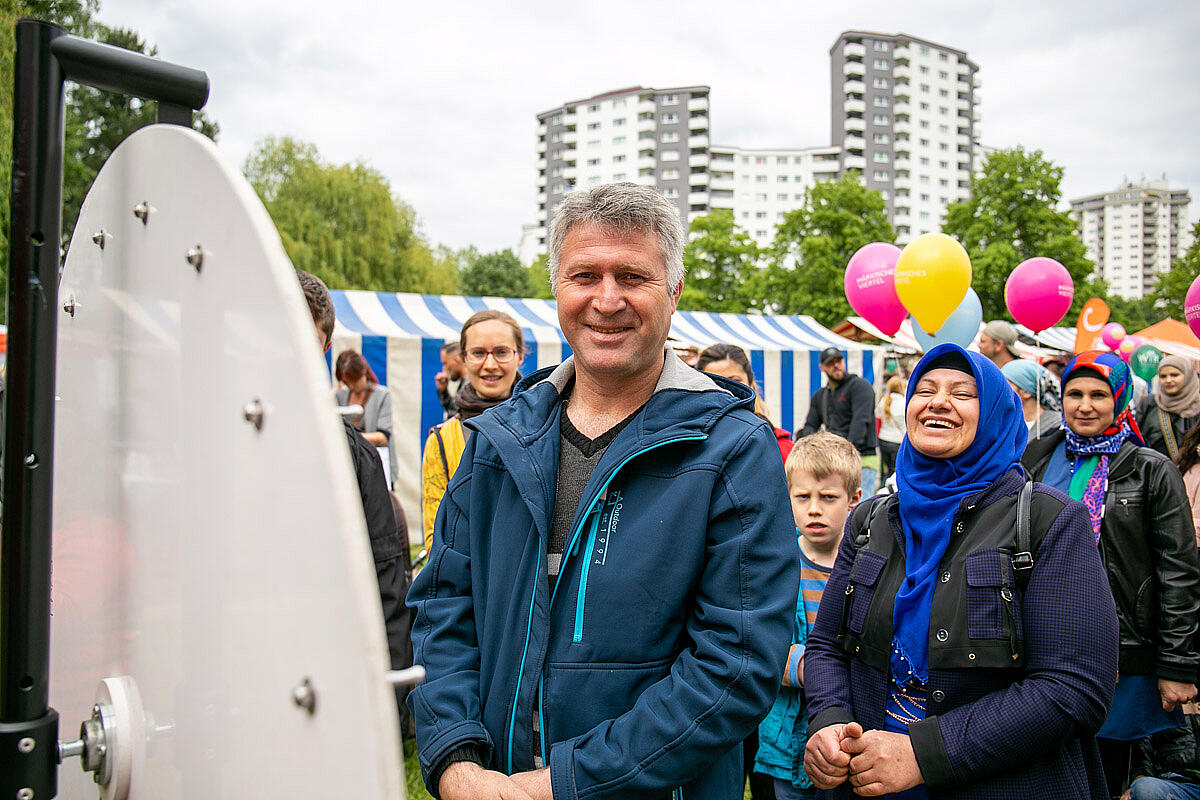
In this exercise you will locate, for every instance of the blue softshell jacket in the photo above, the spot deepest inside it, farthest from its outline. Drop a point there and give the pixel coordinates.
(660, 646)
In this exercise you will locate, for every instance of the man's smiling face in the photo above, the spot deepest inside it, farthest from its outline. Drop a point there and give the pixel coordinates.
(614, 305)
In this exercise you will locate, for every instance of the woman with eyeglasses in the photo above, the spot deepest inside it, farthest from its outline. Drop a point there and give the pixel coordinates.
(492, 349)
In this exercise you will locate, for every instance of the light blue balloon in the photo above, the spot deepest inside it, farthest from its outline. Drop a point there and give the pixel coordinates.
(961, 328)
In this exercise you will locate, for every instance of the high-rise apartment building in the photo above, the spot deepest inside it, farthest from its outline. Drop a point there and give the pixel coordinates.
(655, 137)
(760, 185)
(1133, 233)
(905, 114)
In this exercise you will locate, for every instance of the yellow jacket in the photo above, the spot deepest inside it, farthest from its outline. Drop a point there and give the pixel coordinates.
(437, 466)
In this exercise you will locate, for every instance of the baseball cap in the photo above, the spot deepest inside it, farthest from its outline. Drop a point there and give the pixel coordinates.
(830, 354)
(1003, 332)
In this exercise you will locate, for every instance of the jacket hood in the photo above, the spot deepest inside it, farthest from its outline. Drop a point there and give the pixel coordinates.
(685, 405)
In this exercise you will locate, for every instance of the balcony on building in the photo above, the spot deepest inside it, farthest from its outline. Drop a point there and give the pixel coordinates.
(721, 200)
(900, 54)
(698, 103)
(963, 105)
(854, 87)
(698, 122)
(570, 121)
(647, 125)
(541, 148)
(902, 73)
(903, 162)
(699, 178)
(541, 181)
(541, 198)
(854, 50)
(570, 137)
(646, 162)
(976, 82)
(541, 129)
(901, 219)
(855, 124)
(853, 68)
(855, 162)
(854, 106)
(901, 107)
(902, 127)
(722, 182)
(697, 198)
(646, 104)
(698, 141)
(698, 160)
(852, 142)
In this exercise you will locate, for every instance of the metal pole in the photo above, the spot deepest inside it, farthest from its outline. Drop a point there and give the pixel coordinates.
(36, 204)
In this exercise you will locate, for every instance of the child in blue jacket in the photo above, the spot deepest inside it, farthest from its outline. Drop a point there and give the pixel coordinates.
(823, 473)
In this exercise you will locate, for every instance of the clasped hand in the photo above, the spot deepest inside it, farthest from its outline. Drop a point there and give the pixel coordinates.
(875, 762)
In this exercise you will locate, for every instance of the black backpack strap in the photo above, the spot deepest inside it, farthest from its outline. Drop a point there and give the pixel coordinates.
(437, 433)
(878, 506)
(1022, 559)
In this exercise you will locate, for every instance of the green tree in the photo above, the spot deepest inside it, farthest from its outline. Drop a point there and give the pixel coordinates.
(1173, 284)
(814, 243)
(539, 274)
(1011, 216)
(497, 274)
(723, 265)
(341, 222)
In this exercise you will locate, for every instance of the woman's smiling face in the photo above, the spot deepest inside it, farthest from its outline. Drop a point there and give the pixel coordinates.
(943, 414)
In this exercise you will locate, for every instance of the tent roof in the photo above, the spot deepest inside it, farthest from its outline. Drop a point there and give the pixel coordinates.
(441, 317)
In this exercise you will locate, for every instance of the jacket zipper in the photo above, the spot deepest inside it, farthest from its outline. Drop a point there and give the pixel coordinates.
(569, 550)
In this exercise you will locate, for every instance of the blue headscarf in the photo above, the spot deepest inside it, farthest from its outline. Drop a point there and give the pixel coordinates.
(932, 489)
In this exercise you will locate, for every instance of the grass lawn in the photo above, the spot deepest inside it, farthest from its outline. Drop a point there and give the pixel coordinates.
(412, 774)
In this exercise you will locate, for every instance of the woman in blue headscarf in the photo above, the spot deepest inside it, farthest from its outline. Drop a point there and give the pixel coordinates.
(1141, 524)
(953, 657)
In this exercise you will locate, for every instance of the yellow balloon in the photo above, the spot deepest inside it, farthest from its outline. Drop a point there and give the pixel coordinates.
(933, 274)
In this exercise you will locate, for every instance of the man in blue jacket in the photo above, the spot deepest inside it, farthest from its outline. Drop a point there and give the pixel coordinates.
(609, 594)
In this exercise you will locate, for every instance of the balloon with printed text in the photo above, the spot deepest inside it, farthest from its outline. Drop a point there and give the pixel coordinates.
(1112, 334)
(1191, 306)
(871, 286)
(1038, 293)
(933, 274)
(961, 328)
(1144, 361)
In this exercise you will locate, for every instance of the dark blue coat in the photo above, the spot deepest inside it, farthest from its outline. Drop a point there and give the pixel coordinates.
(662, 644)
(992, 733)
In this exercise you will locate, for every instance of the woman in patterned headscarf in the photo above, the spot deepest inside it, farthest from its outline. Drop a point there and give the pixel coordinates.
(1142, 524)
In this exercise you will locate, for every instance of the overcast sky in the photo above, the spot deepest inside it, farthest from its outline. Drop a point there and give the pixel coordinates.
(442, 97)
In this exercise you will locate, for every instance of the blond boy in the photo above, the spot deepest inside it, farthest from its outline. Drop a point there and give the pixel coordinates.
(823, 472)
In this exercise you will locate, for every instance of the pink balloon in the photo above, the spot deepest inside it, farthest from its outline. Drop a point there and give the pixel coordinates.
(1191, 306)
(1127, 346)
(1038, 293)
(1112, 334)
(871, 286)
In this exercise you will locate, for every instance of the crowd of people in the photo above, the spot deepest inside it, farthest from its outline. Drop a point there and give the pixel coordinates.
(982, 583)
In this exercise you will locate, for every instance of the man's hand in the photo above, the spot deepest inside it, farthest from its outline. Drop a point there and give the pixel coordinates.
(536, 783)
(825, 761)
(441, 381)
(1174, 693)
(882, 762)
(466, 780)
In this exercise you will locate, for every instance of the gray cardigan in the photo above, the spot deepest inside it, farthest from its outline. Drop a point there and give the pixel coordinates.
(377, 416)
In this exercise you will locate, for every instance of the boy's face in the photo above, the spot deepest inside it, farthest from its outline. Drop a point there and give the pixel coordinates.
(820, 507)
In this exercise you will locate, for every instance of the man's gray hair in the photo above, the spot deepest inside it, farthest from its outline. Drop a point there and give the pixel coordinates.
(626, 208)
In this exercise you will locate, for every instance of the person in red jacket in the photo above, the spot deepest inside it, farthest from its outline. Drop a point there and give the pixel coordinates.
(730, 361)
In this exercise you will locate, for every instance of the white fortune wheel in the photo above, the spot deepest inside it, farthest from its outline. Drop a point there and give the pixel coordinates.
(210, 556)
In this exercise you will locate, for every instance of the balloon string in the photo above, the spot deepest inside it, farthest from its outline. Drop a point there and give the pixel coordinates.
(1037, 391)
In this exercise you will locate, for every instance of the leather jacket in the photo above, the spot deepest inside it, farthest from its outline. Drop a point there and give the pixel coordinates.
(1150, 421)
(1148, 546)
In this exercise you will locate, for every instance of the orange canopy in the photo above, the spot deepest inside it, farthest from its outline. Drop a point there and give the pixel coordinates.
(1171, 330)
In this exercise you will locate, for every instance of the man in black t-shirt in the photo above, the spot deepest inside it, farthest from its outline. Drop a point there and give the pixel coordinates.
(846, 407)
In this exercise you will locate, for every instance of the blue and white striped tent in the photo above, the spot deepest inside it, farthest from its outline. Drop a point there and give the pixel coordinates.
(401, 336)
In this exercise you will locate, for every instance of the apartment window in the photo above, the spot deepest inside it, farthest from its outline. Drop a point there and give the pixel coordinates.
(880, 83)
(760, 234)
(617, 159)
(669, 155)
(594, 180)
(619, 103)
(881, 175)
(943, 200)
(761, 197)
(760, 160)
(943, 182)
(593, 143)
(670, 136)
(670, 174)
(943, 92)
(670, 194)
(880, 47)
(924, 50)
(924, 161)
(924, 215)
(760, 215)
(944, 164)
(556, 172)
(881, 63)
(879, 101)
(943, 146)
(924, 123)
(618, 176)
(618, 122)
(745, 159)
(782, 197)
(924, 143)
(925, 178)
(745, 215)
(594, 108)
(782, 179)
(943, 110)
(943, 57)
(880, 119)
(618, 140)
(924, 198)
(669, 119)
(881, 138)
(760, 178)
(796, 160)
(781, 160)
(924, 70)
(925, 87)
(797, 197)
(670, 99)
(944, 128)
(593, 162)
(593, 126)
(798, 178)
(879, 157)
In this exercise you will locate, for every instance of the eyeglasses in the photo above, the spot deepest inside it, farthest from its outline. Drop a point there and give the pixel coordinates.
(502, 355)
